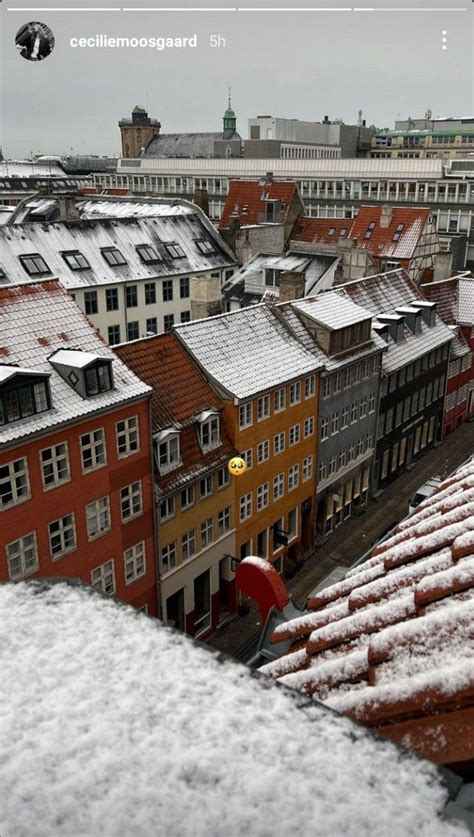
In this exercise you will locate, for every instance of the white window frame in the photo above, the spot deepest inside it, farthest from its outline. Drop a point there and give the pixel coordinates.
(53, 462)
(248, 456)
(17, 550)
(128, 495)
(245, 415)
(293, 477)
(263, 451)
(294, 434)
(63, 530)
(173, 454)
(189, 491)
(18, 481)
(100, 574)
(127, 437)
(93, 442)
(263, 408)
(295, 393)
(279, 400)
(245, 506)
(208, 483)
(170, 504)
(310, 386)
(212, 425)
(207, 532)
(168, 557)
(263, 496)
(324, 428)
(308, 426)
(307, 468)
(134, 559)
(188, 544)
(223, 478)
(279, 443)
(98, 508)
(223, 521)
(278, 486)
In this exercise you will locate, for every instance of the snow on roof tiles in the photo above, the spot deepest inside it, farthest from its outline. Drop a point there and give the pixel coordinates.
(246, 198)
(332, 310)
(454, 298)
(163, 736)
(410, 608)
(35, 321)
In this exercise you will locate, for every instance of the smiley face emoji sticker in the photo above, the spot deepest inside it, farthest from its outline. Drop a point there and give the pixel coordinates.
(237, 466)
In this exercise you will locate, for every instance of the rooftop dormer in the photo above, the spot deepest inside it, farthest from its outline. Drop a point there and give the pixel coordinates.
(88, 374)
(208, 426)
(23, 392)
(167, 451)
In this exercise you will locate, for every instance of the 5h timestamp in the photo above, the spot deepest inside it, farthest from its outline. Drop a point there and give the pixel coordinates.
(217, 41)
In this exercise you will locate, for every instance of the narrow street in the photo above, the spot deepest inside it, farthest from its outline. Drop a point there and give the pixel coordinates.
(353, 537)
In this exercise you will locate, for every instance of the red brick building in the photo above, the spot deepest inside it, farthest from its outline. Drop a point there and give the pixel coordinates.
(455, 305)
(75, 451)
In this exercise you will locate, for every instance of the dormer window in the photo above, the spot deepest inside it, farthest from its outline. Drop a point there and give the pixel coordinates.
(23, 393)
(148, 254)
(174, 250)
(168, 450)
(88, 374)
(98, 378)
(113, 256)
(75, 260)
(205, 247)
(209, 430)
(35, 265)
(272, 278)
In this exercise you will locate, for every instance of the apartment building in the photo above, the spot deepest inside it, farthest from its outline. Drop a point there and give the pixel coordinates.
(75, 451)
(414, 369)
(133, 267)
(450, 138)
(194, 496)
(268, 384)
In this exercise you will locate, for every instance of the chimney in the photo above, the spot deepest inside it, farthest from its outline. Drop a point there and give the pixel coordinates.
(68, 210)
(292, 285)
(201, 199)
(443, 265)
(386, 216)
(268, 178)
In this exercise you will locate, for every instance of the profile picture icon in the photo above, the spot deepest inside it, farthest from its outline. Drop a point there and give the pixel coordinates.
(34, 41)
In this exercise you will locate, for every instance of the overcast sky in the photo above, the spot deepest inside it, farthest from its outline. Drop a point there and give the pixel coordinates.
(292, 65)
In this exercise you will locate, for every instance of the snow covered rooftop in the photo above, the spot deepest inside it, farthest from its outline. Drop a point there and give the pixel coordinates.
(113, 724)
(332, 311)
(391, 644)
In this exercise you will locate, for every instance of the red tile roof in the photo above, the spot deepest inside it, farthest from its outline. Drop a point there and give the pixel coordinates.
(454, 298)
(246, 197)
(381, 242)
(180, 394)
(392, 644)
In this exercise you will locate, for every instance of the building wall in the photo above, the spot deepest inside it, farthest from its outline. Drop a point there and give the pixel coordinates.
(248, 439)
(46, 506)
(459, 404)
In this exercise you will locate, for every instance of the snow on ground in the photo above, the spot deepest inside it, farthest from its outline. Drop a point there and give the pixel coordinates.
(112, 725)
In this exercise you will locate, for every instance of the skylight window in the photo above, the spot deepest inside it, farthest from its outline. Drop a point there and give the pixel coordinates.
(113, 256)
(343, 232)
(174, 250)
(331, 231)
(205, 246)
(398, 232)
(370, 230)
(35, 265)
(148, 254)
(75, 260)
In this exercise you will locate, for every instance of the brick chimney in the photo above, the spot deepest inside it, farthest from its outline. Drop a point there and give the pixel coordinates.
(443, 265)
(201, 199)
(68, 210)
(292, 285)
(268, 178)
(386, 216)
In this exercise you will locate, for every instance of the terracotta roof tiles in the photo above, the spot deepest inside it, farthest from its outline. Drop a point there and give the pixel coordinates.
(247, 199)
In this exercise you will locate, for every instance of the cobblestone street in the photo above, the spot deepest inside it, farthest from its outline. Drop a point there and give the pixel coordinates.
(353, 537)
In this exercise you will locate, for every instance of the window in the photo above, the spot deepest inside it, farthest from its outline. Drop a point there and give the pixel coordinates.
(368, 441)
(389, 420)
(167, 509)
(22, 401)
(263, 451)
(335, 423)
(295, 393)
(98, 378)
(75, 260)
(223, 521)
(205, 487)
(223, 477)
(309, 386)
(174, 250)
(131, 296)
(354, 412)
(344, 417)
(128, 439)
(248, 456)
(113, 256)
(202, 602)
(324, 428)
(262, 496)
(167, 290)
(34, 265)
(360, 446)
(207, 535)
(148, 254)
(322, 471)
(168, 454)
(111, 299)
(363, 407)
(184, 287)
(188, 545)
(262, 541)
(103, 578)
(98, 517)
(245, 506)
(168, 557)
(308, 426)
(93, 450)
(14, 483)
(294, 435)
(185, 316)
(134, 562)
(293, 477)
(90, 302)
(209, 433)
(293, 524)
(278, 486)
(205, 246)
(131, 503)
(22, 557)
(62, 536)
(245, 415)
(187, 497)
(168, 321)
(342, 459)
(113, 335)
(332, 465)
(279, 400)
(150, 293)
(326, 385)
(55, 465)
(372, 402)
(151, 325)
(307, 468)
(263, 407)
(279, 442)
